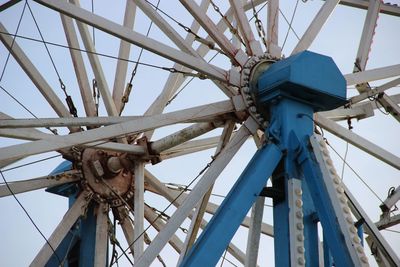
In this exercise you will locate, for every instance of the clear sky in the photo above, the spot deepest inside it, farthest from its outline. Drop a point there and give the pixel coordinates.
(339, 39)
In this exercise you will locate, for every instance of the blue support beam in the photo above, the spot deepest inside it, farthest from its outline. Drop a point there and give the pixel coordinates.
(219, 231)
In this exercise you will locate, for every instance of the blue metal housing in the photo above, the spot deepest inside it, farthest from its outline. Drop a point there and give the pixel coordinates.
(307, 77)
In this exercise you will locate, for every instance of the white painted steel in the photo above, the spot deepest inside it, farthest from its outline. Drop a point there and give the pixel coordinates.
(27, 185)
(372, 75)
(315, 26)
(254, 235)
(138, 203)
(358, 141)
(233, 53)
(193, 198)
(60, 232)
(253, 47)
(273, 28)
(135, 38)
(101, 245)
(124, 50)
(96, 66)
(130, 127)
(367, 35)
(34, 74)
(79, 66)
(371, 228)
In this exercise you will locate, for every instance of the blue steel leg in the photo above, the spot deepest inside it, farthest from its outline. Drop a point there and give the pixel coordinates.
(328, 261)
(219, 231)
(328, 208)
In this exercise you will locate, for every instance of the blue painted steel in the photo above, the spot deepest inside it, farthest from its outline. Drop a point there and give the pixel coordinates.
(220, 230)
(328, 260)
(78, 246)
(307, 77)
(287, 94)
(324, 207)
(360, 233)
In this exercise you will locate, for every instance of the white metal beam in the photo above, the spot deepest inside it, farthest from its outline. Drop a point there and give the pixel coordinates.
(253, 237)
(371, 228)
(177, 200)
(358, 141)
(208, 25)
(159, 224)
(367, 35)
(273, 28)
(136, 38)
(202, 205)
(60, 232)
(101, 245)
(96, 66)
(124, 49)
(79, 66)
(182, 136)
(34, 75)
(120, 129)
(253, 47)
(138, 203)
(372, 75)
(374, 92)
(193, 198)
(126, 225)
(18, 187)
(386, 8)
(392, 199)
(315, 26)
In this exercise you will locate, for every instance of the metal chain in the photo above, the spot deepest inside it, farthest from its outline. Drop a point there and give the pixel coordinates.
(232, 29)
(68, 99)
(96, 95)
(259, 26)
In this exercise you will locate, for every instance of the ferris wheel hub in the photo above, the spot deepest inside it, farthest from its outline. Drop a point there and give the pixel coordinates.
(108, 176)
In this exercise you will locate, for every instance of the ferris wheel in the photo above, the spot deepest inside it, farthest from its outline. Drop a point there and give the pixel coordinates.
(196, 133)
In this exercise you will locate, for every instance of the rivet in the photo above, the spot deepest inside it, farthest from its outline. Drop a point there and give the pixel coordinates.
(340, 190)
(336, 180)
(322, 143)
(353, 229)
(332, 171)
(349, 219)
(253, 109)
(325, 152)
(299, 214)
(300, 226)
(364, 259)
(329, 162)
(346, 210)
(298, 191)
(360, 249)
(299, 203)
(300, 237)
(301, 261)
(300, 249)
(356, 239)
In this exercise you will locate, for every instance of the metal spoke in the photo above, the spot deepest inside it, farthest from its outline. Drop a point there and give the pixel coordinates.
(60, 232)
(79, 66)
(136, 38)
(358, 141)
(100, 251)
(372, 75)
(35, 76)
(193, 198)
(124, 49)
(233, 53)
(315, 26)
(27, 185)
(253, 47)
(131, 127)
